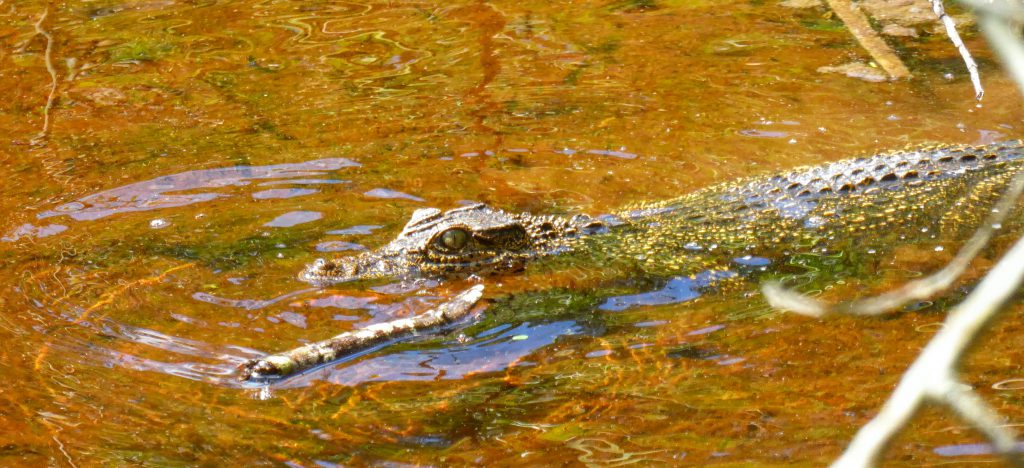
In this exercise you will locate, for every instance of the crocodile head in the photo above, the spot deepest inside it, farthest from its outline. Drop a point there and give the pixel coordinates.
(471, 240)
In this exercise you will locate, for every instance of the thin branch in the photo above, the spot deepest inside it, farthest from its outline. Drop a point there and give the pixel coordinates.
(869, 39)
(916, 290)
(954, 37)
(299, 359)
(932, 374)
(971, 408)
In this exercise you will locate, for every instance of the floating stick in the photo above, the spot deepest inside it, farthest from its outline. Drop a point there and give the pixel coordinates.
(299, 359)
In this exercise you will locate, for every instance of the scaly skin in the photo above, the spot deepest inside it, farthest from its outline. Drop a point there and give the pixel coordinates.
(878, 201)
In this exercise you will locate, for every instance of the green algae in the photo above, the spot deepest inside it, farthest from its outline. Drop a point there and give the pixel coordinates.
(141, 51)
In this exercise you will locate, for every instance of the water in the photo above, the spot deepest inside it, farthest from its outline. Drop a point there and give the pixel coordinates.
(195, 155)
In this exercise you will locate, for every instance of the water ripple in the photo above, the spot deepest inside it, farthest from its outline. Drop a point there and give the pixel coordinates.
(247, 304)
(155, 194)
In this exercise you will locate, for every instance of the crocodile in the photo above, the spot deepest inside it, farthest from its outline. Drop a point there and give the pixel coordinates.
(878, 200)
(870, 203)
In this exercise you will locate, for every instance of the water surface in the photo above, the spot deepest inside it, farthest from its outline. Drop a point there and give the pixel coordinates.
(168, 167)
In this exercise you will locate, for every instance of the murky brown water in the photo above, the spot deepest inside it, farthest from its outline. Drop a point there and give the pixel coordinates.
(195, 154)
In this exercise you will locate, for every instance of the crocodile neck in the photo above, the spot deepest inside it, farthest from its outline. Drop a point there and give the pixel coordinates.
(893, 197)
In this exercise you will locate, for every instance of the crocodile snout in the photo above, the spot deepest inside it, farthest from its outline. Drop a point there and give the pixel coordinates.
(371, 265)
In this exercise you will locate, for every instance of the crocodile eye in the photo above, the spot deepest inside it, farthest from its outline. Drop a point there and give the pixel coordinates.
(454, 239)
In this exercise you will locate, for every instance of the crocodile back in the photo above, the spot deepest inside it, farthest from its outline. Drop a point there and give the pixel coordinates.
(880, 200)
(799, 189)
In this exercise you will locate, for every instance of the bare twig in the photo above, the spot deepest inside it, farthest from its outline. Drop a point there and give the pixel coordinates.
(954, 37)
(348, 343)
(971, 408)
(869, 39)
(916, 290)
(932, 376)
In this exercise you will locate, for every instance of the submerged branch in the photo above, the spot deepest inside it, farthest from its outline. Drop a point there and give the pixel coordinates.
(348, 343)
(869, 39)
(51, 98)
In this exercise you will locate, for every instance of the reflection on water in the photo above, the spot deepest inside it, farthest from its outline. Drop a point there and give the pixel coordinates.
(247, 304)
(294, 218)
(282, 193)
(387, 193)
(338, 246)
(677, 290)
(29, 231)
(354, 230)
(961, 450)
(159, 193)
